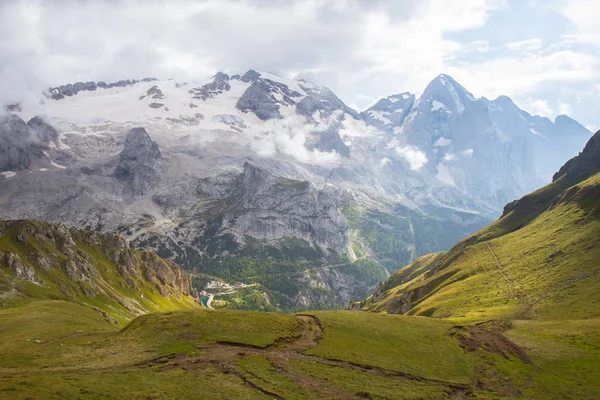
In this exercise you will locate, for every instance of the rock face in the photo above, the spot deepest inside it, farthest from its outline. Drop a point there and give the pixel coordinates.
(14, 144)
(78, 263)
(323, 101)
(138, 163)
(71, 89)
(270, 208)
(20, 141)
(219, 85)
(389, 112)
(257, 100)
(585, 164)
(265, 96)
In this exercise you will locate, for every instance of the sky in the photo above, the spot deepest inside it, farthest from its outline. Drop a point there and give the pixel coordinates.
(545, 54)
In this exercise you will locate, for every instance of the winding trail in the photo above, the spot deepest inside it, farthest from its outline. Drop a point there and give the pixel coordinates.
(224, 356)
(517, 294)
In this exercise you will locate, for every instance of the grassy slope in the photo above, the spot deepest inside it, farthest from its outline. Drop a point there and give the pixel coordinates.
(382, 357)
(112, 294)
(549, 267)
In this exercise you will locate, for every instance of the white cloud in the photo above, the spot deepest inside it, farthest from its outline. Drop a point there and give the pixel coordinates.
(538, 107)
(584, 14)
(564, 108)
(415, 157)
(525, 45)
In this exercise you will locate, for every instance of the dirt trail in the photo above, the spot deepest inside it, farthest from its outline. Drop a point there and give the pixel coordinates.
(224, 356)
(526, 307)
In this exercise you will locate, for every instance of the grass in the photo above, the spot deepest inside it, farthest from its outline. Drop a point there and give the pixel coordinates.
(105, 362)
(129, 384)
(122, 294)
(393, 342)
(549, 267)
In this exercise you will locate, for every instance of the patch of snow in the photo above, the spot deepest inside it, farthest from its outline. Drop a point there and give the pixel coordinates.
(57, 165)
(443, 175)
(415, 157)
(405, 96)
(43, 169)
(393, 143)
(442, 142)
(8, 174)
(467, 153)
(436, 105)
(380, 115)
(393, 99)
(449, 157)
(536, 133)
(398, 130)
(384, 162)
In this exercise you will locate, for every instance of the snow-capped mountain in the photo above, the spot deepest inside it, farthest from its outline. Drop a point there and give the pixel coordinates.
(277, 172)
(490, 148)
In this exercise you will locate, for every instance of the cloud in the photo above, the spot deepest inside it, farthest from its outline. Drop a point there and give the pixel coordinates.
(564, 108)
(538, 107)
(287, 137)
(525, 45)
(415, 157)
(362, 49)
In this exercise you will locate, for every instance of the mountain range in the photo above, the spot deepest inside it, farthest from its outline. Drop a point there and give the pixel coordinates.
(276, 182)
(511, 311)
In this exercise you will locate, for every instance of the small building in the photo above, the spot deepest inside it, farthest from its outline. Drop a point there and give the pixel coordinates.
(239, 285)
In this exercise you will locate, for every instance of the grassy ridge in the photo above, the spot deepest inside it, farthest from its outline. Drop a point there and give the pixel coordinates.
(89, 269)
(546, 269)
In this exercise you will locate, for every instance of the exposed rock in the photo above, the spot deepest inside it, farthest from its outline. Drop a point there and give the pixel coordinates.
(219, 85)
(250, 76)
(268, 207)
(585, 164)
(330, 140)
(138, 163)
(22, 271)
(228, 119)
(156, 105)
(325, 102)
(14, 144)
(59, 92)
(257, 99)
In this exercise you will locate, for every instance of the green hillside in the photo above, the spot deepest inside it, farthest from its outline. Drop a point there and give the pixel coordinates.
(539, 261)
(41, 261)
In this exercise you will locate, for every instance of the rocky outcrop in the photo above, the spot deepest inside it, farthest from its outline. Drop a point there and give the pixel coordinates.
(323, 101)
(71, 89)
(267, 207)
(20, 141)
(257, 99)
(389, 112)
(138, 163)
(86, 263)
(219, 85)
(14, 144)
(330, 140)
(265, 96)
(585, 164)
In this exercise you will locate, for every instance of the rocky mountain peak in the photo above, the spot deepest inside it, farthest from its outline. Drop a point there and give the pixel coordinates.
(138, 163)
(20, 141)
(390, 111)
(444, 92)
(568, 125)
(585, 164)
(250, 76)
